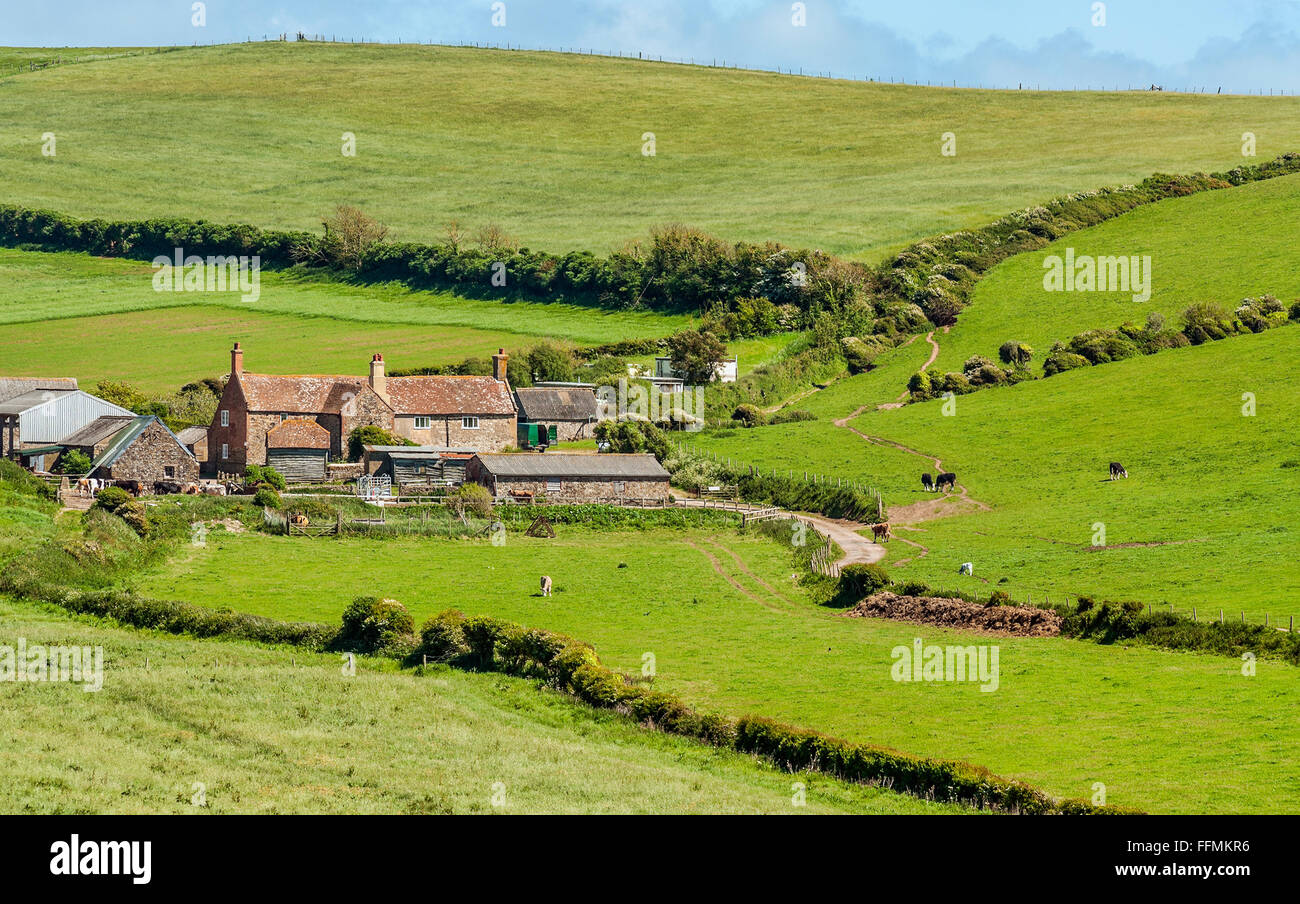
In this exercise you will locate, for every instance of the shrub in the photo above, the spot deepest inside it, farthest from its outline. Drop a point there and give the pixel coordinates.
(749, 416)
(791, 415)
(371, 624)
(1061, 361)
(110, 499)
(370, 435)
(266, 497)
(73, 461)
(472, 498)
(919, 384)
(442, 637)
(858, 582)
(1206, 321)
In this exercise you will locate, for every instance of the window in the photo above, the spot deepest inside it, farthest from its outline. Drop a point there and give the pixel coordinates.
(423, 423)
(620, 487)
(169, 471)
(469, 423)
(283, 418)
(225, 418)
(552, 486)
(225, 450)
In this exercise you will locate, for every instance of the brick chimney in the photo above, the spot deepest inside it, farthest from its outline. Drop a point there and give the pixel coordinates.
(499, 364)
(378, 381)
(236, 361)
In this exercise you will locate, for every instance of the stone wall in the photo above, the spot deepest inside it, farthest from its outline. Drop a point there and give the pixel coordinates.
(579, 490)
(494, 432)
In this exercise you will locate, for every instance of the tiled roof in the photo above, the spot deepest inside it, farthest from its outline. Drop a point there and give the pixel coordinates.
(305, 394)
(298, 433)
(560, 465)
(191, 435)
(11, 387)
(449, 395)
(556, 404)
(98, 430)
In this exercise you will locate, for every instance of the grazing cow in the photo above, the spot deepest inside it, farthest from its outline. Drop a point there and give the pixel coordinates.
(881, 531)
(967, 568)
(546, 585)
(83, 487)
(298, 519)
(946, 479)
(927, 482)
(192, 489)
(1117, 470)
(165, 487)
(214, 489)
(134, 487)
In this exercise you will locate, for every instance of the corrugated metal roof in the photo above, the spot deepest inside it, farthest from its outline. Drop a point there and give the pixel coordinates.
(553, 464)
(191, 435)
(536, 405)
(98, 430)
(33, 398)
(126, 436)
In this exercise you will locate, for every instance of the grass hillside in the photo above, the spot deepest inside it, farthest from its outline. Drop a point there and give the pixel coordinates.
(1217, 246)
(732, 633)
(549, 145)
(52, 304)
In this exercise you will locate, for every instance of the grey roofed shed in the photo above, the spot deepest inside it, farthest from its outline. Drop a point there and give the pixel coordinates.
(97, 430)
(125, 437)
(605, 466)
(554, 404)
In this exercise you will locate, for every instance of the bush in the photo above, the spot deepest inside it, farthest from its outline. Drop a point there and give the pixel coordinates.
(1061, 361)
(110, 499)
(470, 498)
(370, 435)
(919, 384)
(372, 624)
(857, 582)
(749, 416)
(266, 497)
(791, 415)
(1206, 322)
(442, 637)
(73, 461)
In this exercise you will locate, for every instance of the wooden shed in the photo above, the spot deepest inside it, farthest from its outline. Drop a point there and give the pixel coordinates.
(299, 449)
(418, 465)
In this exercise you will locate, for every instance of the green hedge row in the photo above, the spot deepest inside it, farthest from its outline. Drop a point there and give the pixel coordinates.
(940, 273)
(573, 667)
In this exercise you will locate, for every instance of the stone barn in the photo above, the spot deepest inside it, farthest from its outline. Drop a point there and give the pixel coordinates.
(299, 449)
(147, 451)
(579, 477)
(555, 415)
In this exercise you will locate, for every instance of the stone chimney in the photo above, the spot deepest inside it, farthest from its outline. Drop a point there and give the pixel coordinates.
(499, 364)
(236, 361)
(378, 381)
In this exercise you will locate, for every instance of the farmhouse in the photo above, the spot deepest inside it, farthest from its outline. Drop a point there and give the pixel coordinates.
(299, 449)
(555, 414)
(145, 450)
(35, 420)
(474, 411)
(581, 477)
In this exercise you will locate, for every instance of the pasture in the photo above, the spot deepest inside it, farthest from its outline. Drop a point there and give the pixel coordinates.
(731, 631)
(52, 305)
(549, 146)
(1218, 246)
(260, 730)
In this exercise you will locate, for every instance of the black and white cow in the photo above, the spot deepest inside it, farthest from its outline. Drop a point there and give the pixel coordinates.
(946, 479)
(927, 482)
(1117, 470)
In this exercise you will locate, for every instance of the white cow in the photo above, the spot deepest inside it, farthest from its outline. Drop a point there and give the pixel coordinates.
(546, 585)
(966, 568)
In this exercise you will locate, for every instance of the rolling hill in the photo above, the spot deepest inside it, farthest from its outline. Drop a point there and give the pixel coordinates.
(549, 146)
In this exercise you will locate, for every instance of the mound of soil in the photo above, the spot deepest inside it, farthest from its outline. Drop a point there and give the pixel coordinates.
(1013, 621)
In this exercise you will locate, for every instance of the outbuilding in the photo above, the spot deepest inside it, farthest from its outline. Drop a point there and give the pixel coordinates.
(572, 477)
(555, 414)
(299, 449)
(43, 417)
(418, 465)
(146, 450)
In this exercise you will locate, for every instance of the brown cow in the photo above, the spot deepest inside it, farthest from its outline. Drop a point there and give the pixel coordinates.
(298, 519)
(881, 531)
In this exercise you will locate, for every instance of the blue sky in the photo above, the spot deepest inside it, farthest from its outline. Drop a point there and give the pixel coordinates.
(1248, 45)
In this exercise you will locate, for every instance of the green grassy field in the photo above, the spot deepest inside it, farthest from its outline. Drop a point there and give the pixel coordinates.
(549, 146)
(51, 305)
(276, 731)
(1164, 731)
(1219, 246)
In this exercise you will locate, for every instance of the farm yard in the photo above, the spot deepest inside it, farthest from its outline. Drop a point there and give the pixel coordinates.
(737, 622)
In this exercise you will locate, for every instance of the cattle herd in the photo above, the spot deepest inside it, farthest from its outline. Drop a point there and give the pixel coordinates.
(90, 486)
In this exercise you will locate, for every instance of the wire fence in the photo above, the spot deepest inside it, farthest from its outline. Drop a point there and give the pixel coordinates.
(891, 79)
